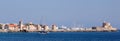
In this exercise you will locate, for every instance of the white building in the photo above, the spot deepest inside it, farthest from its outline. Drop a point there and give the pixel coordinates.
(39, 28)
(31, 27)
(46, 28)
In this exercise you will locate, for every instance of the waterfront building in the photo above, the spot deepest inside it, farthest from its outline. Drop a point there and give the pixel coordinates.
(46, 28)
(2, 26)
(108, 26)
(12, 27)
(87, 29)
(32, 27)
(83, 29)
(105, 27)
(54, 28)
(25, 28)
(63, 27)
(97, 28)
(39, 28)
(75, 29)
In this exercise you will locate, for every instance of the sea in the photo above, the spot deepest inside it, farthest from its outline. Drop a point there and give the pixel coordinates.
(60, 36)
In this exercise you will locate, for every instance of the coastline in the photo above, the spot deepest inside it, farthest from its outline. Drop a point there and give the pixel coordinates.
(30, 27)
(64, 31)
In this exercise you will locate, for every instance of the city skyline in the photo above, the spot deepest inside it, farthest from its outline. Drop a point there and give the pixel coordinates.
(61, 12)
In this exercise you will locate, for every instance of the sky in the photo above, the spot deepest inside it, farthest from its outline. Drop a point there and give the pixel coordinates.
(85, 13)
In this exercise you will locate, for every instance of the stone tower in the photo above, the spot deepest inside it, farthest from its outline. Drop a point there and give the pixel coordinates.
(54, 28)
(20, 24)
(107, 25)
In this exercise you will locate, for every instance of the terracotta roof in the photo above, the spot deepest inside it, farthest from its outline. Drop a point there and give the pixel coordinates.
(12, 25)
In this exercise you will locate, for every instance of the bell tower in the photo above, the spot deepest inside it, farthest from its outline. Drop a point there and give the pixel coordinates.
(20, 24)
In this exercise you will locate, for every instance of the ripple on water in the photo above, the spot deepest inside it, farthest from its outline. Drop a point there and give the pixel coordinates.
(61, 36)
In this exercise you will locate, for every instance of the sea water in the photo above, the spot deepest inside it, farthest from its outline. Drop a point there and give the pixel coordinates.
(60, 36)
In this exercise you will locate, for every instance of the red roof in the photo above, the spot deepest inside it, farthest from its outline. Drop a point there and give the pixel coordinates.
(12, 25)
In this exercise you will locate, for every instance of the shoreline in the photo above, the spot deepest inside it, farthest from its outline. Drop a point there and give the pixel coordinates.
(31, 27)
(64, 31)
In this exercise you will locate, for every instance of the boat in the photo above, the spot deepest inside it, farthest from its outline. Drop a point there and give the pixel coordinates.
(43, 32)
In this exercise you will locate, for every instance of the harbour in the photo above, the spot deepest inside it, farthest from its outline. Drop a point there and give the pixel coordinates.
(31, 27)
(59, 20)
